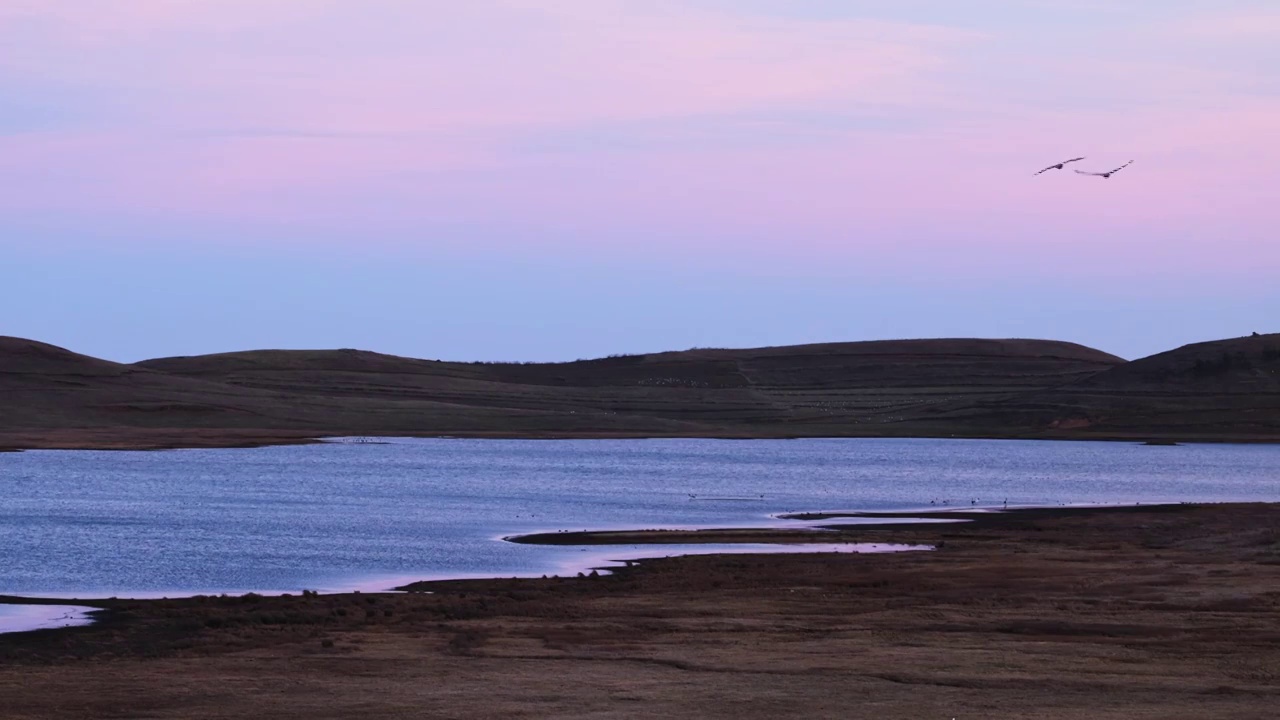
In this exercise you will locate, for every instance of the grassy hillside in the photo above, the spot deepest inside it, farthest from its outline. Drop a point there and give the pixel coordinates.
(964, 387)
(1224, 388)
(49, 388)
(799, 387)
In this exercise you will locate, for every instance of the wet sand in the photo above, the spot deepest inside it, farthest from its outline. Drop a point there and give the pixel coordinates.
(1152, 612)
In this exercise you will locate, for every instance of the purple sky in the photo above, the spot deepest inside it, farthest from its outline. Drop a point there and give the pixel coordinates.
(553, 179)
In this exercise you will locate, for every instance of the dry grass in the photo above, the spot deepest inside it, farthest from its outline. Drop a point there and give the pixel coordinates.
(1224, 390)
(55, 397)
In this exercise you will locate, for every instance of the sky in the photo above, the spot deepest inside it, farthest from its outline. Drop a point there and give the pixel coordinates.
(558, 179)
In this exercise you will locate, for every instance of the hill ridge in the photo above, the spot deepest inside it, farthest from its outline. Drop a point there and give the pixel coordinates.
(888, 346)
(990, 387)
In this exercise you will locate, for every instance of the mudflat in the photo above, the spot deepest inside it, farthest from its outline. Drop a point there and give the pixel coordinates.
(1151, 612)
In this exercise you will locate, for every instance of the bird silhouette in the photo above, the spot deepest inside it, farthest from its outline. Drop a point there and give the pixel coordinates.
(1059, 165)
(1106, 174)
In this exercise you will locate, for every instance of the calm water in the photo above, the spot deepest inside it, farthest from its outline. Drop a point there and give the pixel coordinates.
(337, 516)
(20, 618)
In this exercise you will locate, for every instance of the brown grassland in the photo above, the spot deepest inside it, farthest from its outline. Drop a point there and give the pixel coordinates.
(1225, 390)
(1169, 612)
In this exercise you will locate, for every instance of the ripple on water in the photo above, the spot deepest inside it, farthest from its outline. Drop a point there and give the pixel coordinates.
(98, 524)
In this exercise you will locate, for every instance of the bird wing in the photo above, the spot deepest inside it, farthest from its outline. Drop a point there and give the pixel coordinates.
(1058, 165)
(1123, 166)
(1082, 172)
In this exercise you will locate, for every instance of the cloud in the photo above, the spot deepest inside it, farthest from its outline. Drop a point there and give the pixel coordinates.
(1248, 24)
(396, 66)
(842, 129)
(187, 102)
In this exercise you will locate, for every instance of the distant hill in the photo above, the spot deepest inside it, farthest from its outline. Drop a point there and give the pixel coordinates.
(771, 389)
(1220, 388)
(44, 387)
(1234, 366)
(942, 387)
(19, 357)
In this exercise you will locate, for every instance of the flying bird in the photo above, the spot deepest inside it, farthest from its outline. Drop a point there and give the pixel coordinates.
(1059, 165)
(1108, 173)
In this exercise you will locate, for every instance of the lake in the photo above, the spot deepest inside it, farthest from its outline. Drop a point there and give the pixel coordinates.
(343, 515)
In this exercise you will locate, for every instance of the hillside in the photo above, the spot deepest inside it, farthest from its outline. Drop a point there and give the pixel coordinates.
(798, 387)
(48, 387)
(49, 391)
(1218, 389)
(942, 387)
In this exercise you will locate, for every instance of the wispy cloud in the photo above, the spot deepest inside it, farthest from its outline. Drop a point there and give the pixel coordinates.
(1254, 23)
(459, 81)
(816, 121)
(495, 62)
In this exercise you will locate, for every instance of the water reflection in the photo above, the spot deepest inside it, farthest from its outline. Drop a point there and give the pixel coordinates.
(96, 524)
(22, 618)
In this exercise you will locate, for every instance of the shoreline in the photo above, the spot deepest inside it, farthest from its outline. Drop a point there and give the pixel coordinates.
(675, 543)
(907, 533)
(147, 439)
(30, 617)
(908, 523)
(1056, 614)
(813, 534)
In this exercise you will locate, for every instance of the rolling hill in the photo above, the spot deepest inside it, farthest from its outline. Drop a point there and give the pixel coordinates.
(1224, 388)
(53, 397)
(769, 389)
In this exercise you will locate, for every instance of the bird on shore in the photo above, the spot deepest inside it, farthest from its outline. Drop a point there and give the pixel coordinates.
(1106, 174)
(1060, 165)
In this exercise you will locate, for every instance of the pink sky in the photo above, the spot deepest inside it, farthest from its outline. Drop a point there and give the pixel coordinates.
(801, 137)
